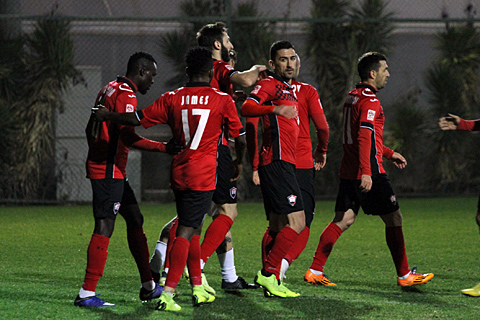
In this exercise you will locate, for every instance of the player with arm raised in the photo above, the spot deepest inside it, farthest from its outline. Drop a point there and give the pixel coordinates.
(108, 146)
(197, 114)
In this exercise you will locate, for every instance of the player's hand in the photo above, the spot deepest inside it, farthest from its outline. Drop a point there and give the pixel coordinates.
(365, 183)
(100, 112)
(173, 147)
(398, 160)
(238, 170)
(288, 112)
(320, 160)
(449, 123)
(239, 96)
(256, 178)
(261, 68)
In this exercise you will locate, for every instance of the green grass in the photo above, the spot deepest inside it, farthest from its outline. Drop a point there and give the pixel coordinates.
(43, 258)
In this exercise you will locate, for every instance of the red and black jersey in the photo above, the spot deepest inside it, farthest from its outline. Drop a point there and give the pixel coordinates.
(222, 71)
(363, 121)
(196, 114)
(280, 134)
(469, 125)
(309, 107)
(107, 153)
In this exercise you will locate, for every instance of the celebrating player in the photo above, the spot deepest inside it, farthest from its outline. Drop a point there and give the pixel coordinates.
(363, 181)
(197, 115)
(453, 122)
(275, 100)
(108, 145)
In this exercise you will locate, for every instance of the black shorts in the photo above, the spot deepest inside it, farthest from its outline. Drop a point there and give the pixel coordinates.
(280, 190)
(107, 197)
(225, 190)
(305, 182)
(192, 206)
(380, 200)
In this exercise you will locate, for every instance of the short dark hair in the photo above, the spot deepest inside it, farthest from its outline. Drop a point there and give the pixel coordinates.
(279, 45)
(137, 61)
(198, 60)
(367, 62)
(209, 33)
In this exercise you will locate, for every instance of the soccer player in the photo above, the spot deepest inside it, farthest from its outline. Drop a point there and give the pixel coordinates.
(218, 236)
(108, 146)
(274, 96)
(453, 122)
(363, 181)
(197, 114)
(309, 108)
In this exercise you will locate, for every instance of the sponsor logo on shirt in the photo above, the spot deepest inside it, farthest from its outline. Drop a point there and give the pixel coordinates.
(233, 193)
(129, 108)
(371, 115)
(292, 199)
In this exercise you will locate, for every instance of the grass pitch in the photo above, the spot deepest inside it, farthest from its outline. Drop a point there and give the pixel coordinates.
(43, 258)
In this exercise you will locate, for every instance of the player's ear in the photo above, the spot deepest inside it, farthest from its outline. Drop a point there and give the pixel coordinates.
(141, 72)
(217, 45)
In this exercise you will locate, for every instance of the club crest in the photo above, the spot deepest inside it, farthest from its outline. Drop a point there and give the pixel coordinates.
(116, 207)
(233, 193)
(292, 199)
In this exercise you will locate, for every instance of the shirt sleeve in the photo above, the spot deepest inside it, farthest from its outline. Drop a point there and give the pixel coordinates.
(157, 113)
(316, 113)
(232, 121)
(469, 125)
(368, 112)
(251, 128)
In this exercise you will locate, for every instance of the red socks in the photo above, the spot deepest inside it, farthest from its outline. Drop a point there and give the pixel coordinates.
(96, 259)
(193, 262)
(214, 235)
(284, 241)
(137, 242)
(171, 237)
(267, 243)
(298, 246)
(325, 245)
(396, 244)
(178, 258)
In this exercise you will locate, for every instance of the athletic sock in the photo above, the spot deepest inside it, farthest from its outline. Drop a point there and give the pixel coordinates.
(158, 257)
(283, 242)
(193, 262)
(325, 245)
(267, 243)
(214, 235)
(178, 257)
(85, 293)
(298, 246)
(96, 259)
(227, 264)
(396, 244)
(137, 242)
(171, 237)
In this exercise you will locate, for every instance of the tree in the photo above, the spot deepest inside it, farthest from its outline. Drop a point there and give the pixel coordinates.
(42, 69)
(333, 47)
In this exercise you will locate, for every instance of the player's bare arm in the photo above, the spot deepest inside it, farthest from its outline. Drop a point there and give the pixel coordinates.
(398, 160)
(103, 114)
(286, 111)
(249, 77)
(449, 123)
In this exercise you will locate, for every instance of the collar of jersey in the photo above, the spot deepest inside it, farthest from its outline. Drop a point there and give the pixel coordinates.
(198, 84)
(127, 81)
(366, 85)
(277, 77)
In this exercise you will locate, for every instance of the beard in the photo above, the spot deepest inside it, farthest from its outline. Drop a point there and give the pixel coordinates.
(225, 54)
